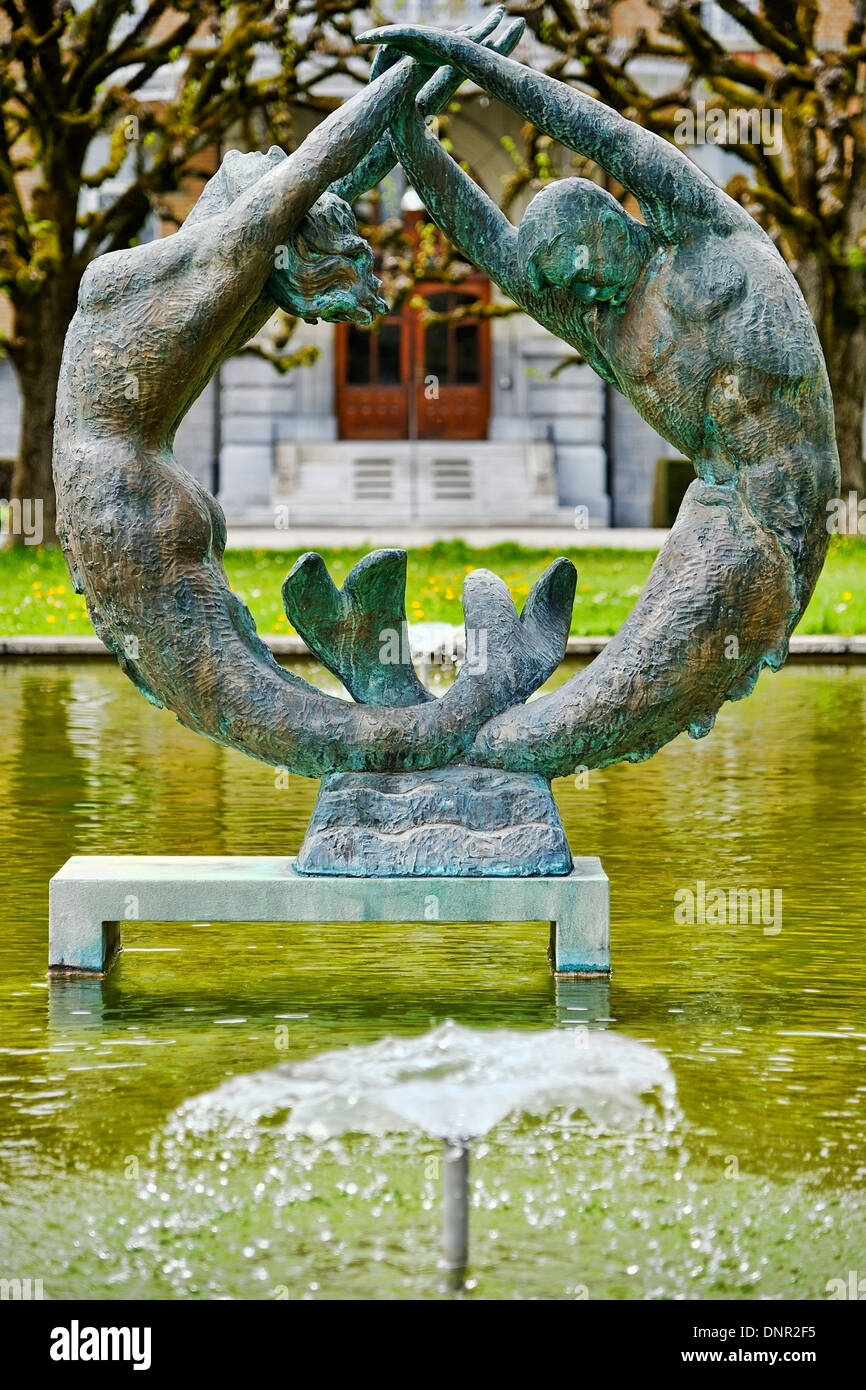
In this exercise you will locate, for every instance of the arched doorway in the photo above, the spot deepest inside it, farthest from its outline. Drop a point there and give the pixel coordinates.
(409, 378)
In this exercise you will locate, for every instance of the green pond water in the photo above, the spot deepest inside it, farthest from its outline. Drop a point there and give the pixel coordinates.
(753, 1189)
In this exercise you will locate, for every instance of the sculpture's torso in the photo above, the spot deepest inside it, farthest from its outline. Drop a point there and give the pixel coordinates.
(144, 342)
(714, 330)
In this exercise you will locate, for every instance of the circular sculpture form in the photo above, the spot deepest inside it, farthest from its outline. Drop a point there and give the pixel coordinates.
(692, 314)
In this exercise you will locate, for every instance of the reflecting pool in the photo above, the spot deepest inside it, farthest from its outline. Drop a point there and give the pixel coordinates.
(756, 1189)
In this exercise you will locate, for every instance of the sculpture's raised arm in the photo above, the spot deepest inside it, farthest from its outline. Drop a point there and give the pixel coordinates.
(250, 211)
(267, 213)
(469, 218)
(673, 193)
(437, 92)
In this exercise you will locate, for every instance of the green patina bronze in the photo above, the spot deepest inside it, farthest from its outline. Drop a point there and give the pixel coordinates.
(144, 541)
(695, 317)
(692, 314)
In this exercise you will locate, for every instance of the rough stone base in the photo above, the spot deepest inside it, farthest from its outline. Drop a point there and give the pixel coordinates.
(461, 821)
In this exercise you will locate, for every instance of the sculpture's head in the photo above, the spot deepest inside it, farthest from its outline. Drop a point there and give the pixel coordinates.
(326, 269)
(575, 236)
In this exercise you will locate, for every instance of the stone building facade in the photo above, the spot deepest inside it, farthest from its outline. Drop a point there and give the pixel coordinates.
(282, 447)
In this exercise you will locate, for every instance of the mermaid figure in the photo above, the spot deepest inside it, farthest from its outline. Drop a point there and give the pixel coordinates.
(144, 541)
(693, 315)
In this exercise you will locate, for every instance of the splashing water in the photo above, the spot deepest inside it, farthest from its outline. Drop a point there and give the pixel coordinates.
(760, 1192)
(450, 1083)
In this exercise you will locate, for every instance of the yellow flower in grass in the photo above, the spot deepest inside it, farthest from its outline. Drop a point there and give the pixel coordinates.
(846, 597)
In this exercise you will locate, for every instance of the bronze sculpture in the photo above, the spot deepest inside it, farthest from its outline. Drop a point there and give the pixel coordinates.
(695, 317)
(692, 314)
(144, 541)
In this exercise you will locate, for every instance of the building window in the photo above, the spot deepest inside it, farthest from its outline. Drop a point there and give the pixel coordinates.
(373, 359)
(722, 26)
(452, 350)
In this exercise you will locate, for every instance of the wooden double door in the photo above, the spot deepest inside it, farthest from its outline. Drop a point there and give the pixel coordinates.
(411, 380)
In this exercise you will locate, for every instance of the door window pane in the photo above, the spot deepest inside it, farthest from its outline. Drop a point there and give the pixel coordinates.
(373, 359)
(452, 351)
(436, 351)
(438, 339)
(389, 335)
(358, 363)
(468, 354)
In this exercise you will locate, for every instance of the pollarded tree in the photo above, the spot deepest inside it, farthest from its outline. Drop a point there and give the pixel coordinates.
(107, 109)
(808, 190)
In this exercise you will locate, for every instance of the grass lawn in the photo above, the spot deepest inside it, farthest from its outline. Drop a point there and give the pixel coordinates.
(37, 597)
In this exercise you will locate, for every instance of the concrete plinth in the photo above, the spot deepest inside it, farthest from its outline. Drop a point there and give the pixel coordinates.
(92, 895)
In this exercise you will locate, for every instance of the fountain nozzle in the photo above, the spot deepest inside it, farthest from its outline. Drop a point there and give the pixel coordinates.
(455, 1206)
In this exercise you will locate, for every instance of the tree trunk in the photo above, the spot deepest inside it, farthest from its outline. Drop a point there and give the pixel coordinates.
(40, 328)
(846, 367)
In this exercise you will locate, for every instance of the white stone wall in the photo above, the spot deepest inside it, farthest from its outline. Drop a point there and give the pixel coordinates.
(194, 442)
(254, 402)
(10, 411)
(636, 449)
(260, 409)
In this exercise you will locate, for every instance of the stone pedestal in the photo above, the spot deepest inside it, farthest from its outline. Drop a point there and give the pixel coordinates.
(92, 895)
(457, 821)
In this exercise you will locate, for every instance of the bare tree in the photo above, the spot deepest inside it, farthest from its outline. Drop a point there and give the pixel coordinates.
(106, 111)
